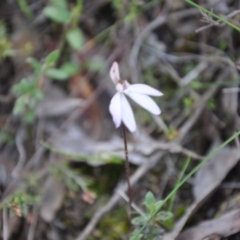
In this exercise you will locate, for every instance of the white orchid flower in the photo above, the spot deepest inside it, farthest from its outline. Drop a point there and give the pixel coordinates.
(120, 108)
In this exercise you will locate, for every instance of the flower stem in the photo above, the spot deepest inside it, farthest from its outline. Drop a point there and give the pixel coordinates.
(127, 168)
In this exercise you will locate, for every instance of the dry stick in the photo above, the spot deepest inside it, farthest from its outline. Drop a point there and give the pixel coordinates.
(217, 23)
(160, 20)
(189, 124)
(127, 168)
(22, 152)
(33, 225)
(5, 224)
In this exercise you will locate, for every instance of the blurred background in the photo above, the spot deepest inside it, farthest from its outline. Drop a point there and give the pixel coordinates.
(62, 160)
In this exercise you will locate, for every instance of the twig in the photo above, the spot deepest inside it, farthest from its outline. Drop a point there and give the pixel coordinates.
(237, 142)
(127, 168)
(188, 125)
(33, 225)
(21, 150)
(5, 224)
(160, 20)
(189, 57)
(231, 185)
(159, 121)
(171, 147)
(217, 23)
(133, 205)
(194, 73)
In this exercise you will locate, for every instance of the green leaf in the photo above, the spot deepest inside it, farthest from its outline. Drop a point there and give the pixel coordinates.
(180, 211)
(164, 216)
(34, 63)
(25, 86)
(19, 106)
(56, 14)
(52, 58)
(136, 235)
(70, 68)
(138, 221)
(75, 38)
(168, 224)
(158, 205)
(59, 4)
(56, 74)
(150, 201)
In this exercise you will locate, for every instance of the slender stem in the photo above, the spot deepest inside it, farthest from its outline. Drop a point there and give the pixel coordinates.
(127, 168)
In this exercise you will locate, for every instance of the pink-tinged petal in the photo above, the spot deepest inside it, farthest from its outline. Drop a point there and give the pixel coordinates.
(144, 89)
(114, 72)
(115, 109)
(145, 102)
(127, 115)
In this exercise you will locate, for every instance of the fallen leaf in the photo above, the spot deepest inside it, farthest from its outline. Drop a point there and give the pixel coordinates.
(225, 226)
(52, 199)
(213, 172)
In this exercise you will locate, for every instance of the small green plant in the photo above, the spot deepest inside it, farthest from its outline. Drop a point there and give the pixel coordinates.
(29, 90)
(29, 96)
(21, 201)
(154, 228)
(59, 12)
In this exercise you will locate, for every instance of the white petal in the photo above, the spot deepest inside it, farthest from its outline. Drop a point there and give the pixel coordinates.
(116, 109)
(145, 102)
(144, 89)
(127, 115)
(114, 72)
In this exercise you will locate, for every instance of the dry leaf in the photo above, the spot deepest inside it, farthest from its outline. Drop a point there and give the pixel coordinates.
(224, 226)
(213, 172)
(52, 199)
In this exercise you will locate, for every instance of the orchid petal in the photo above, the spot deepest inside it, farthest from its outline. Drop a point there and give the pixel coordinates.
(145, 102)
(116, 109)
(144, 89)
(114, 72)
(127, 115)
